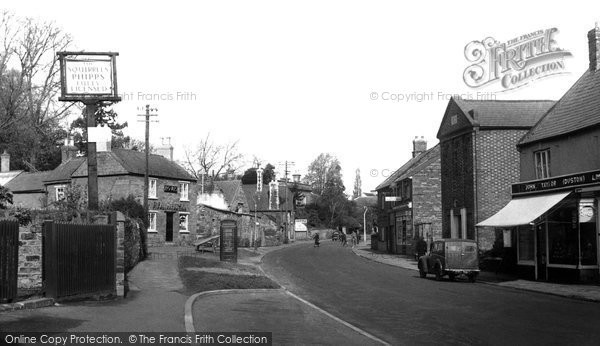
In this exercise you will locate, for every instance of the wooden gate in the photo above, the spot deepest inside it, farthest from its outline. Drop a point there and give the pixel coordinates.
(9, 259)
(79, 259)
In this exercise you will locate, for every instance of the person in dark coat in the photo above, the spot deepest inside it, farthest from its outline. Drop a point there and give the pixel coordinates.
(316, 240)
(421, 247)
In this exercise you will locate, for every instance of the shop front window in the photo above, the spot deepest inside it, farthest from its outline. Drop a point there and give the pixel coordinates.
(563, 244)
(526, 245)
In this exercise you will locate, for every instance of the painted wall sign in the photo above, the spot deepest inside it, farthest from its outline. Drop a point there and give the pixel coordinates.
(170, 188)
(157, 205)
(86, 76)
(558, 183)
(229, 241)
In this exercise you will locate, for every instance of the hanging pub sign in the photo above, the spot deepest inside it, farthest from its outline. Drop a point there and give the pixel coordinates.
(88, 76)
(229, 241)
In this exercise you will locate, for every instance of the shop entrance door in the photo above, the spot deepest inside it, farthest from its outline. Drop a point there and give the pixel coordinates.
(541, 251)
(169, 230)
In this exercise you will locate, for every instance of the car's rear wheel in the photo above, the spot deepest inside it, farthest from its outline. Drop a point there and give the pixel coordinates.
(422, 272)
(438, 272)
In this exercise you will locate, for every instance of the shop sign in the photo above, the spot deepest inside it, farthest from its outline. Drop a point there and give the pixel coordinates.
(170, 188)
(567, 181)
(157, 205)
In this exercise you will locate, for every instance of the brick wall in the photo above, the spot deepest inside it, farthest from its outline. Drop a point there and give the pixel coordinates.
(427, 197)
(497, 168)
(457, 180)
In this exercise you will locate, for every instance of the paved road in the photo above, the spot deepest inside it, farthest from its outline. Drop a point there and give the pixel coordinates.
(396, 305)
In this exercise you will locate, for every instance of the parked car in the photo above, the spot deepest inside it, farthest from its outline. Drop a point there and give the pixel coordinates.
(451, 257)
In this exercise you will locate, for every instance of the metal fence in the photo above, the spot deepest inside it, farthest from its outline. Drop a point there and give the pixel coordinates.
(79, 259)
(9, 259)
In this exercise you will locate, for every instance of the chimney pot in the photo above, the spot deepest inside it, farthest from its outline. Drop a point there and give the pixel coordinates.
(5, 162)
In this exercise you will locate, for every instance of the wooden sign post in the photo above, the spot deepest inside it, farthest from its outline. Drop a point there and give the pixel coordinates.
(90, 78)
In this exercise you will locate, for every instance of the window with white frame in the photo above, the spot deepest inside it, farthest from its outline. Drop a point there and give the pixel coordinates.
(183, 191)
(152, 188)
(183, 222)
(60, 192)
(542, 164)
(152, 221)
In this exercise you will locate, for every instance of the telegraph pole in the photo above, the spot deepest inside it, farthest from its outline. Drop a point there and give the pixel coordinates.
(287, 219)
(148, 113)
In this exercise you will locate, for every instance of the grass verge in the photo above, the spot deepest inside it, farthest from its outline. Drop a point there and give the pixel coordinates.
(200, 274)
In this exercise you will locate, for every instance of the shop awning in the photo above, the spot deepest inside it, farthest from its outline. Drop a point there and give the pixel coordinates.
(522, 211)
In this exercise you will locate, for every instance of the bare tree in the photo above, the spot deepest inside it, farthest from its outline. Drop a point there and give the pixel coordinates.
(211, 158)
(29, 81)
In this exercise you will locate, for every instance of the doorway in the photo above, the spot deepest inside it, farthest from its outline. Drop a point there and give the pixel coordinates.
(540, 245)
(169, 229)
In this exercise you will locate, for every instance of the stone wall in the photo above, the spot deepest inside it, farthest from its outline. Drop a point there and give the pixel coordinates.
(30, 256)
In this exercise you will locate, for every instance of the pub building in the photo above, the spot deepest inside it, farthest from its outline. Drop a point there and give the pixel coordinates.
(552, 218)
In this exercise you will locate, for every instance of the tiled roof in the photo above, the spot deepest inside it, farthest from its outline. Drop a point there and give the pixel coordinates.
(63, 172)
(577, 109)
(159, 166)
(408, 167)
(230, 189)
(28, 182)
(505, 113)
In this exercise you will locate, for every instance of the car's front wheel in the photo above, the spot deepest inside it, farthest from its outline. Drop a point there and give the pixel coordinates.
(438, 272)
(422, 272)
(472, 276)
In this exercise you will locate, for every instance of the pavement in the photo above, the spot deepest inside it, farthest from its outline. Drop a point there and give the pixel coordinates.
(154, 303)
(575, 291)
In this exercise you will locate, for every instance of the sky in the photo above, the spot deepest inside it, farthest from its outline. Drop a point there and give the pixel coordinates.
(292, 79)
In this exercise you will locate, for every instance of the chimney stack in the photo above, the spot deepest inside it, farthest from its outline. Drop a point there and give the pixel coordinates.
(68, 151)
(165, 149)
(419, 146)
(5, 162)
(594, 48)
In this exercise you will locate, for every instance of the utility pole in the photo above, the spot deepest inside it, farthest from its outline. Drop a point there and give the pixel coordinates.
(148, 113)
(287, 219)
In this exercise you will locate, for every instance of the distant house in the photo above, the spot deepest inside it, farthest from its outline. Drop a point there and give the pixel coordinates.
(28, 190)
(410, 201)
(480, 160)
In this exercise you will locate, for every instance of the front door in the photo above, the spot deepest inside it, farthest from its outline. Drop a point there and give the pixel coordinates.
(540, 242)
(169, 229)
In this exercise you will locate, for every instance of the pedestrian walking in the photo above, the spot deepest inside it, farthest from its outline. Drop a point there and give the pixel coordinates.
(353, 238)
(316, 237)
(343, 239)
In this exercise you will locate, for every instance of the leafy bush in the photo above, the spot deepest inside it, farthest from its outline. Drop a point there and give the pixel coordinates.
(21, 214)
(128, 206)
